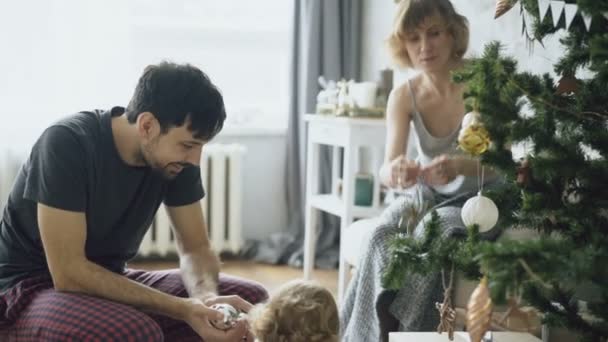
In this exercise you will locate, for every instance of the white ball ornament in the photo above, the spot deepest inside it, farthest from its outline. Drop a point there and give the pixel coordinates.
(481, 211)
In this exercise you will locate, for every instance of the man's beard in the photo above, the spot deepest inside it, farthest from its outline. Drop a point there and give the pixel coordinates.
(164, 171)
(145, 157)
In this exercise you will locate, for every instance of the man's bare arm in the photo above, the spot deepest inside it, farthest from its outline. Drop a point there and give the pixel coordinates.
(63, 235)
(199, 264)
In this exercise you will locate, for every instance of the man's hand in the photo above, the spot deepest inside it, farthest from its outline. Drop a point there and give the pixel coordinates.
(199, 266)
(236, 302)
(199, 315)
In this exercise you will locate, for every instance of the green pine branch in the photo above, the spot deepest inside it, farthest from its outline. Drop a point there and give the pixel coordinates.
(430, 254)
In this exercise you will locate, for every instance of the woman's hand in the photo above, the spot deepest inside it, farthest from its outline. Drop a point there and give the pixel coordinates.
(441, 170)
(402, 173)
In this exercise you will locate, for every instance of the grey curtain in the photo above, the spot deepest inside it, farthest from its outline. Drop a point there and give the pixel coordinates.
(326, 42)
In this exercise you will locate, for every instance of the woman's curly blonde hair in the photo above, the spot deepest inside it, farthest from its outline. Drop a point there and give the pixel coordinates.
(411, 13)
(301, 311)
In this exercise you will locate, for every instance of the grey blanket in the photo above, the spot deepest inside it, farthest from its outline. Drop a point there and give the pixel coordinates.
(413, 306)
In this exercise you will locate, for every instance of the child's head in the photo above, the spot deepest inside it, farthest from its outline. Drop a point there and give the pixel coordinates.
(299, 311)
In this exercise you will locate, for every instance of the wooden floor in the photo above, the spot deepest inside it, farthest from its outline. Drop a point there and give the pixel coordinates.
(270, 276)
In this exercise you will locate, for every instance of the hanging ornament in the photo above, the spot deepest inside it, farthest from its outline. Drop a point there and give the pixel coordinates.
(447, 314)
(479, 311)
(524, 173)
(503, 6)
(481, 211)
(518, 318)
(566, 85)
(571, 193)
(470, 118)
(474, 139)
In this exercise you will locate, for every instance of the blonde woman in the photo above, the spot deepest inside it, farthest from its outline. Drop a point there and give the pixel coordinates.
(301, 311)
(430, 37)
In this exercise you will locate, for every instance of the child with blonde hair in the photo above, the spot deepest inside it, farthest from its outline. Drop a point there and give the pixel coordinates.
(300, 311)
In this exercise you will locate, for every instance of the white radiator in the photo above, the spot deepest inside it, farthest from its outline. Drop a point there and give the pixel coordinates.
(9, 167)
(222, 175)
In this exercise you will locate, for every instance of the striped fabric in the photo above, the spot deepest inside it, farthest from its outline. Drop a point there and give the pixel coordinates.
(33, 311)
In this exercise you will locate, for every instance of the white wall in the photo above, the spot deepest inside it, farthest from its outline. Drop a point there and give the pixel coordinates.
(507, 29)
(264, 205)
(377, 24)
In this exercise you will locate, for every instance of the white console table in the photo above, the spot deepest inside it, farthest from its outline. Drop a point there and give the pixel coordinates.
(351, 134)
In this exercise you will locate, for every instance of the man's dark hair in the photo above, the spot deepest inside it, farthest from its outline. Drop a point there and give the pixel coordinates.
(174, 92)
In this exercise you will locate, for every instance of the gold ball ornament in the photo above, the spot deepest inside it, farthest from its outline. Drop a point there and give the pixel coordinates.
(474, 139)
(479, 311)
(480, 210)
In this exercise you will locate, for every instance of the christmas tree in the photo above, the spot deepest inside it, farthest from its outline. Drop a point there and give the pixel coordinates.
(560, 187)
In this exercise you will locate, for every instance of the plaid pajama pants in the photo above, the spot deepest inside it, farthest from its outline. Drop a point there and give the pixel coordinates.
(33, 311)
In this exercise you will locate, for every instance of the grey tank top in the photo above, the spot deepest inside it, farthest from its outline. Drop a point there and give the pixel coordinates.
(428, 147)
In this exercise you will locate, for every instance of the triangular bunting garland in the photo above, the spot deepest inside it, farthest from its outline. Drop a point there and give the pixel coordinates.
(570, 12)
(543, 6)
(557, 7)
(587, 19)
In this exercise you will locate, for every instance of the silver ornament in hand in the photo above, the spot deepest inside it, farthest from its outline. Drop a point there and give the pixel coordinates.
(231, 316)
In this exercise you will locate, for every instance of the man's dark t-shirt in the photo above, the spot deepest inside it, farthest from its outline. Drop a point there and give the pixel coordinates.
(75, 166)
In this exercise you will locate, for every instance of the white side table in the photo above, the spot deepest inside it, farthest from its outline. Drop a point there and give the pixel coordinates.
(459, 336)
(350, 134)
